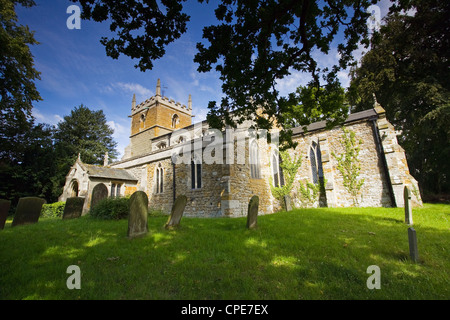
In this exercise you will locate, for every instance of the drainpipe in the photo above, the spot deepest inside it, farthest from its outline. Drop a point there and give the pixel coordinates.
(174, 182)
(383, 160)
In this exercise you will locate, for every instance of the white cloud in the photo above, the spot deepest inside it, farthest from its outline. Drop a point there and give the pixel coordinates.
(51, 119)
(292, 82)
(141, 92)
(120, 135)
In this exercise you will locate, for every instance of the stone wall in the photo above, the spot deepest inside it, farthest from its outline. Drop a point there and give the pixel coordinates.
(227, 188)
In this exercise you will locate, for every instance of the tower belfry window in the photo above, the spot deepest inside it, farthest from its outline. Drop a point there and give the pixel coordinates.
(175, 121)
(142, 121)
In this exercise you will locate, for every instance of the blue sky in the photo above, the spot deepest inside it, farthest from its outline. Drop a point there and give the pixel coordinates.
(75, 69)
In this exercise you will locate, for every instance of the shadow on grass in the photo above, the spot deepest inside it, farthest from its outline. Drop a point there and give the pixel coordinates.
(305, 254)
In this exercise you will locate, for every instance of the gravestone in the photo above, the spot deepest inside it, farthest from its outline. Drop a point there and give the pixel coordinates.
(4, 208)
(287, 203)
(28, 211)
(252, 214)
(137, 219)
(413, 250)
(99, 193)
(408, 206)
(177, 212)
(73, 208)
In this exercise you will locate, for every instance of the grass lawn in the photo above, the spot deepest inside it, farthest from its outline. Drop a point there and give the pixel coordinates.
(302, 254)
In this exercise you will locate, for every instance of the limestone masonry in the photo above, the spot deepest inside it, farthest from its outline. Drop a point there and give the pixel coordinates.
(219, 173)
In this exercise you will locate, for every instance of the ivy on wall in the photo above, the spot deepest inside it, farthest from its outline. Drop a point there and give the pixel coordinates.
(290, 168)
(349, 165)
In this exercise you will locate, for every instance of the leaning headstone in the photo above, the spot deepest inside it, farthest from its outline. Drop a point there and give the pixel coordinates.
(4, 208)
(28, 211)
(137, 219)
(73, 208)
(287, 202)
(408, 206)
(413, 250)
(252, 214)
(177, 212)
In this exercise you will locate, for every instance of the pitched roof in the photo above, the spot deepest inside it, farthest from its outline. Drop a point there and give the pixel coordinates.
(363, 115)
(107, 173)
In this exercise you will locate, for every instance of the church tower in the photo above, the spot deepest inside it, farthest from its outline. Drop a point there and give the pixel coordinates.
(154, 117)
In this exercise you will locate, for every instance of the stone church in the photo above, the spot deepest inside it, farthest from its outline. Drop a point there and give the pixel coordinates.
(161, 127)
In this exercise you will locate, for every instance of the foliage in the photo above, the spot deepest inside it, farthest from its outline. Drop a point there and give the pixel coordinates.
(83, 132)
(311, 104)
(289, 170)
(258, 43)
(17, 72)
(407, 69)
(53, 210)
(111, 208)
(310, 192)
(27, 167)
(349, 165)
(35, 158)
(143, 28)
(254, 45)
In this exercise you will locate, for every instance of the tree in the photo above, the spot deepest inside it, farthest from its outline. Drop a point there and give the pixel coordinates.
(255, 44)
(407, 68)
(83, 132)
(143, 28)
(86, 132)
(27, 168)
(17, 72)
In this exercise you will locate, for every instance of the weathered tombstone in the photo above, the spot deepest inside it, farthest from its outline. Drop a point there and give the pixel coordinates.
(287, 202)
(28, 211)
(137, 219)
(408, 206)
(4, 208)
(73, 208)
(252, 214)
(413, 250)
(177, 212)
(99, 193)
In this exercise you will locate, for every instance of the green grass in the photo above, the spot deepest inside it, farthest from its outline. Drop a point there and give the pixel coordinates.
(303, 254)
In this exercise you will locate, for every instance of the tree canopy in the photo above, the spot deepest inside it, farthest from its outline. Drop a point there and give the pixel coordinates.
(254, 45)
(17, 72)
(407, 68)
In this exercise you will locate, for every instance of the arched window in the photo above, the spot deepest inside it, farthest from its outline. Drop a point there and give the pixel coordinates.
(175, 121)
(278, 178)
(196, 174)
(115, 190)
(316, 162)
(255, 165)
(74, 191)
(159, 179)
(161, 145)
